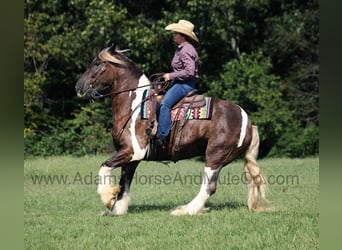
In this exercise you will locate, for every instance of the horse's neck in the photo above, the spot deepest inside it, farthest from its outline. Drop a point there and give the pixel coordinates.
(126, 105)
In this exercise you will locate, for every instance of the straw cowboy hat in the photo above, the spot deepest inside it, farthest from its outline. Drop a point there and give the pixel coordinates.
(185, 27)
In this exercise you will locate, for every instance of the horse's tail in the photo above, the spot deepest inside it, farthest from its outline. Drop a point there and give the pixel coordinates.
(256, 182)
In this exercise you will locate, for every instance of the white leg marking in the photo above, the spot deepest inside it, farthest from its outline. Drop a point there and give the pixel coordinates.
(121, 206)
(139, 152)
(104, 189)
(243, 127)
(197, 204)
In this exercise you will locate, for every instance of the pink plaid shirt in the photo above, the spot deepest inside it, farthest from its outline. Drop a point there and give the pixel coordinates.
(185, 63)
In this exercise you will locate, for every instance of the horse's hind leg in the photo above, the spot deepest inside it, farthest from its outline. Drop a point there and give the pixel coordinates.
(116, 198)
(208, 188)
(256, 182)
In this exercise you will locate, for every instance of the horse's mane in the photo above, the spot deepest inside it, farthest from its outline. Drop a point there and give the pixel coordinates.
(118, 58)
(105, 55)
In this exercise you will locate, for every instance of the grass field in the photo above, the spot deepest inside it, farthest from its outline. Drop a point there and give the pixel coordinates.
(62, 209)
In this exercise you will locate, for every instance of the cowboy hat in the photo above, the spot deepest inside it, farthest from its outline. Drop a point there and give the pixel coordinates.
(185, 27)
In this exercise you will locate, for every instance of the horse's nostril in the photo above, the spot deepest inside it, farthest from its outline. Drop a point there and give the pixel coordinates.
(79, 91)
(78, 88)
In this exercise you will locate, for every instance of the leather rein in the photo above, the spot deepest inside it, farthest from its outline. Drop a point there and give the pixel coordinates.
(96, 95)
(155, 81)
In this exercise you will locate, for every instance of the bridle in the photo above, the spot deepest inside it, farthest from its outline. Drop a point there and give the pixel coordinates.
(155, 82)
(96, 95)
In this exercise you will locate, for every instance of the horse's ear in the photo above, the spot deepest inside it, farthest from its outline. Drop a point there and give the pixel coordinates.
(112, 48)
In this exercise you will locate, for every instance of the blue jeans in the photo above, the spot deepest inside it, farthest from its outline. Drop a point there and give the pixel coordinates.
(172, 96)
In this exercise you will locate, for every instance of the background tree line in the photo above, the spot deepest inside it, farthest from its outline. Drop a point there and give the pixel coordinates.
(261, 54)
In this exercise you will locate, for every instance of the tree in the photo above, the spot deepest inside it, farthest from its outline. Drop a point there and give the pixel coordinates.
(292, 43)
(262, 54)
(60, 39)
(247, 81)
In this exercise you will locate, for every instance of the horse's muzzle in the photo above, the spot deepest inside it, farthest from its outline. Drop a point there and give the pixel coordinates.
(78, 90)
(82, 93)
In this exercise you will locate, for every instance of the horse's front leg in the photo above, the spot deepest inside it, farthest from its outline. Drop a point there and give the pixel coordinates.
(105, 189)
(116, 198)
(127, 173)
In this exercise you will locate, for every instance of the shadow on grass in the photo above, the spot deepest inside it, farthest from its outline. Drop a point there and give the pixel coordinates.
(149, 208)
(169, 207)
(232, 205)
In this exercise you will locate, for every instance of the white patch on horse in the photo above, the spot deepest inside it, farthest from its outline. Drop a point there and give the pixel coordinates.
(243, 127)
(121, 206)
(138, 151)
(104, 188)
(197, 204)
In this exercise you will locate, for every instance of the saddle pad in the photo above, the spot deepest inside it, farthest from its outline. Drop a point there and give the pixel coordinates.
(202, 113)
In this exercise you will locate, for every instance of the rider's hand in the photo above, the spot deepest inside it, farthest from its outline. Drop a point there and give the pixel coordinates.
(166, 77)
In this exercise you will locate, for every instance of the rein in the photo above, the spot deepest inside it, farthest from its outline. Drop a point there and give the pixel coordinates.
(130, 116)
(96, 95)
(159, 85)
(156, 83)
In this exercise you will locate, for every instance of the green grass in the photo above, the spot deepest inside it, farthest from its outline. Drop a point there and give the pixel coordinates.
(67, 215)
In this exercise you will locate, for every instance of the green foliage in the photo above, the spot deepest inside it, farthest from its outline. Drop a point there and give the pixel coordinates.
(62, 37)
(87, 133)
(248, 82)
(292, 43)
(296, 142)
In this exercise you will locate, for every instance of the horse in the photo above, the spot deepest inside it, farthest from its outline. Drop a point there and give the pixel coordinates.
(227, 135)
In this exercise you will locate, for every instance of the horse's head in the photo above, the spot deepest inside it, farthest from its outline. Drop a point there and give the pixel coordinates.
(100, 75)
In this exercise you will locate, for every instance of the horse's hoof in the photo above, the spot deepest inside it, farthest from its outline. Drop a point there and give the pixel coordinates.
(181, 210)
(204, 210)
(107, 213)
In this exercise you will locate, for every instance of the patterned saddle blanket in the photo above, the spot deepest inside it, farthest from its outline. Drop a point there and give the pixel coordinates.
(180, 112)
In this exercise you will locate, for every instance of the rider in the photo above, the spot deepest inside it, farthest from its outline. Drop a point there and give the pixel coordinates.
(183, 77)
